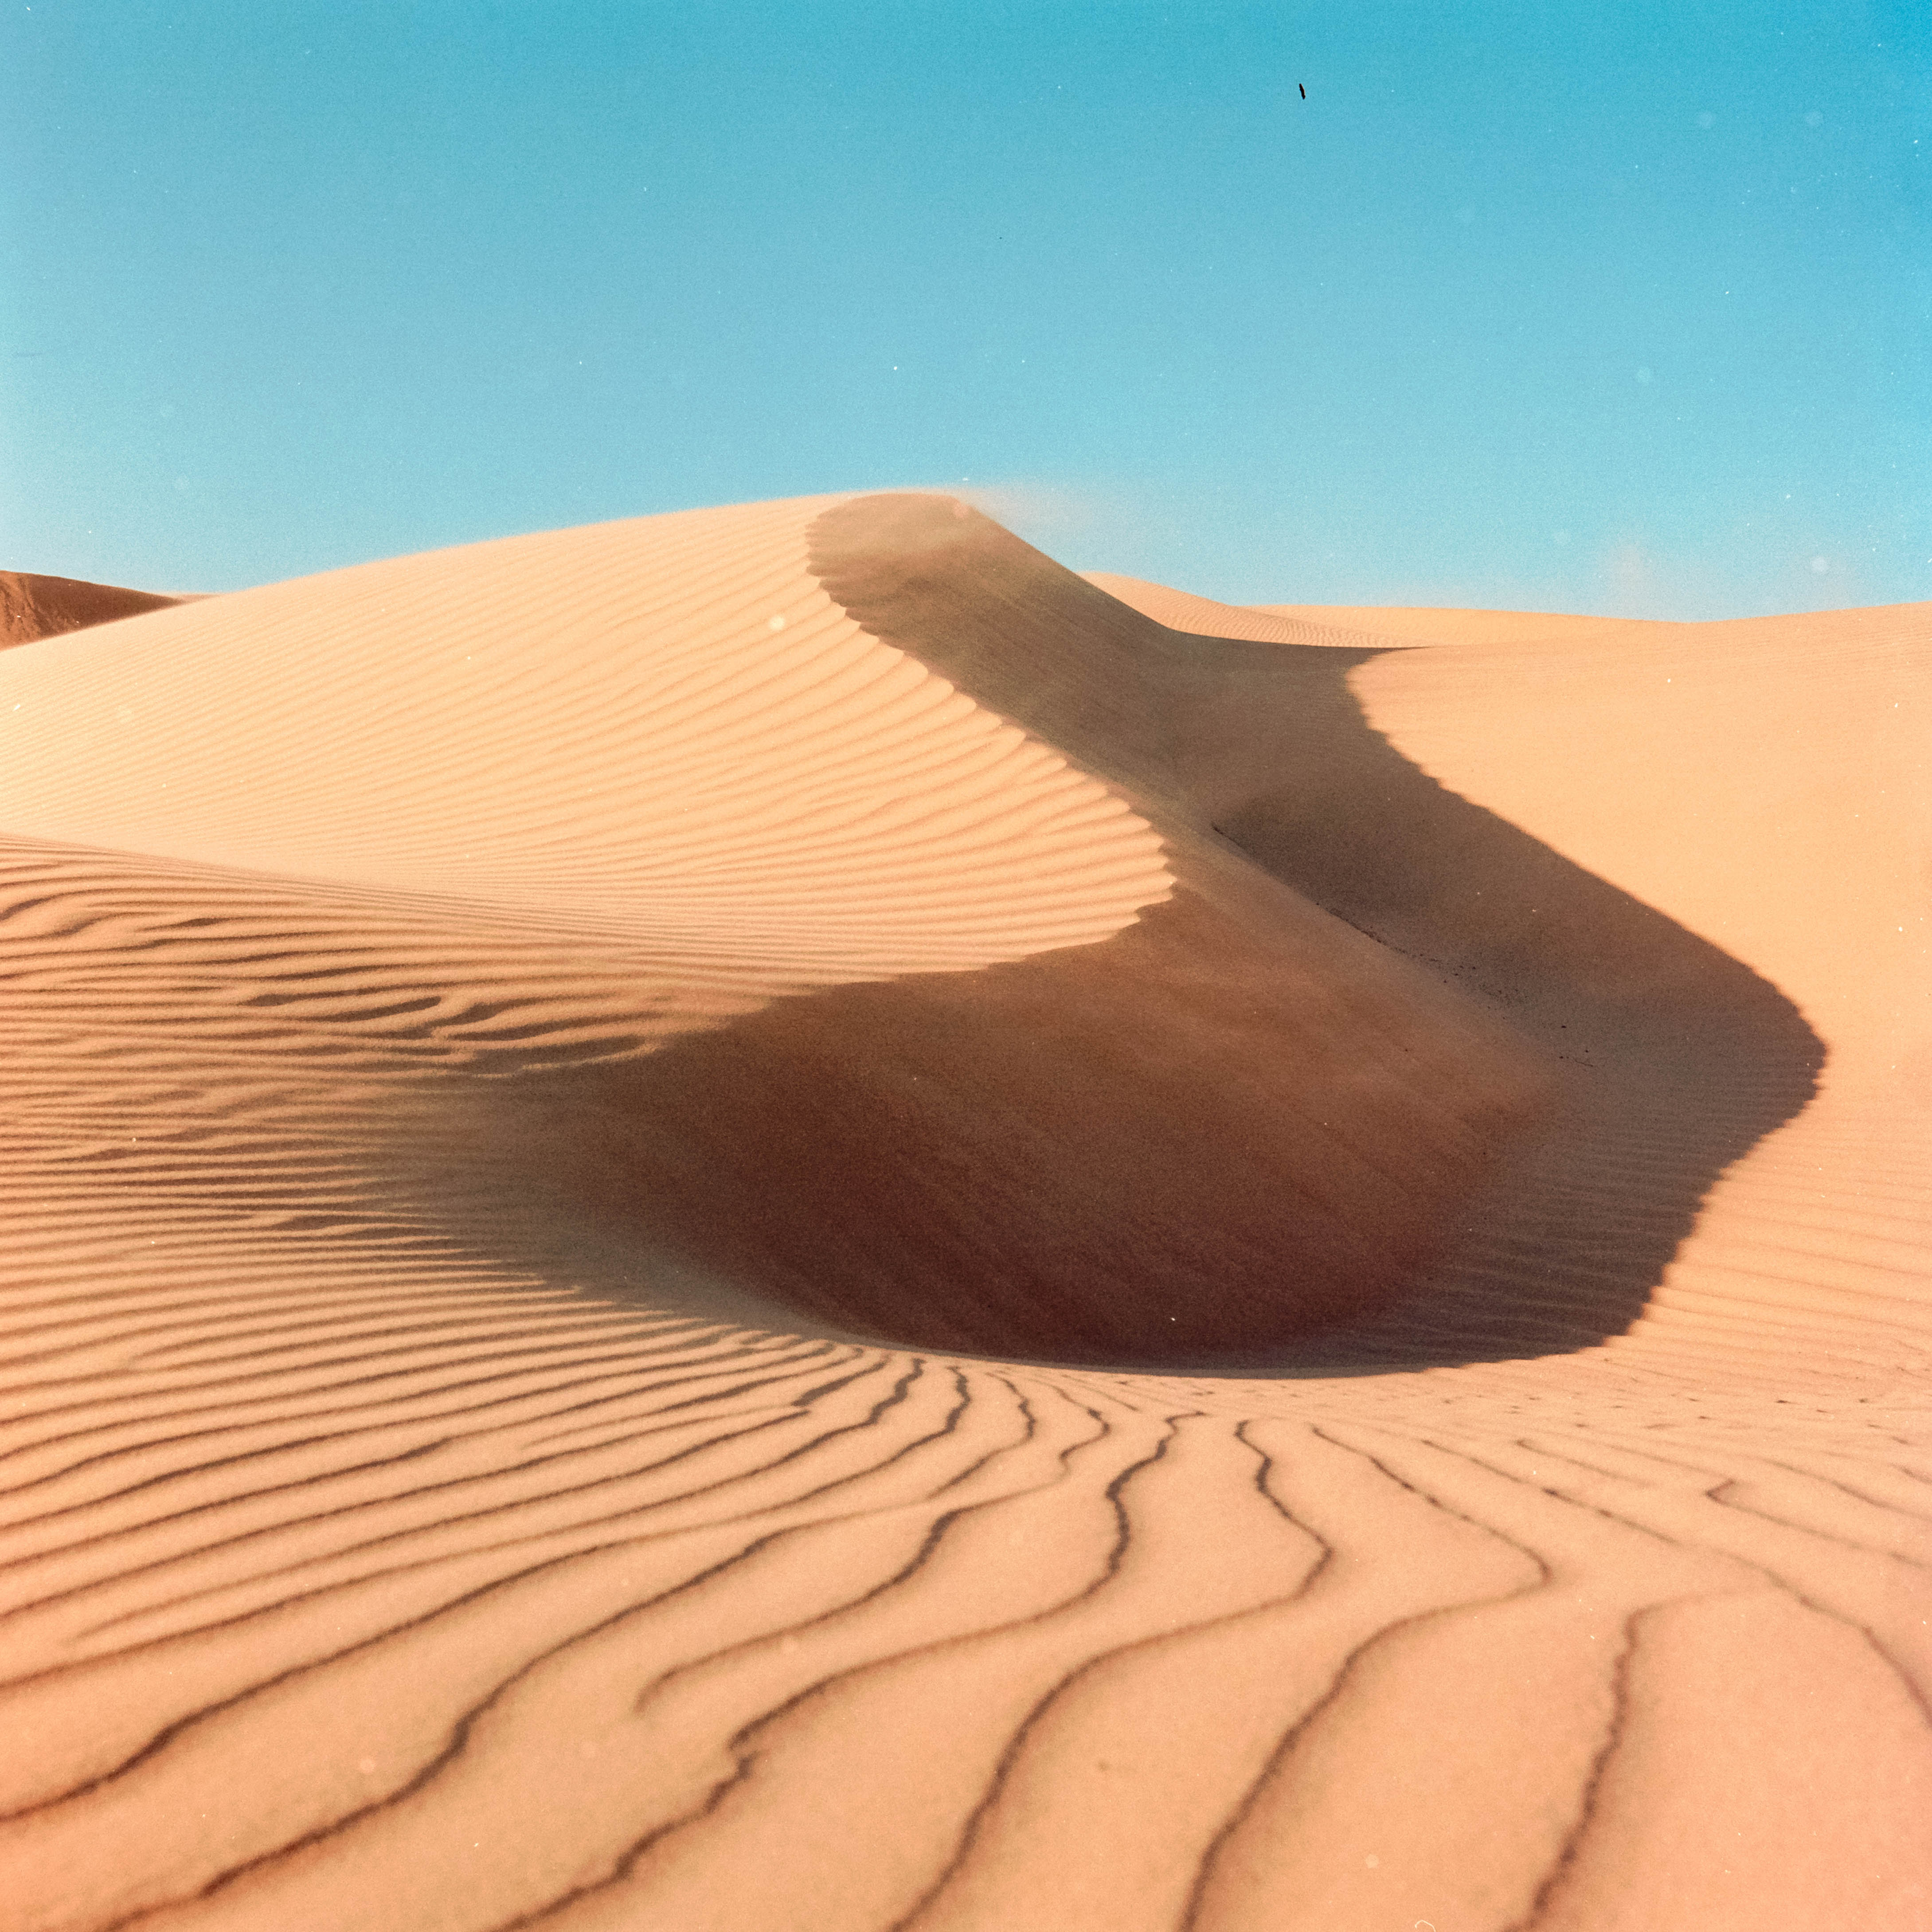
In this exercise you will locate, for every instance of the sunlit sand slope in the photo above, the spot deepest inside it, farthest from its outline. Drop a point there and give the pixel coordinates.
(658, 729)
(523, 1066)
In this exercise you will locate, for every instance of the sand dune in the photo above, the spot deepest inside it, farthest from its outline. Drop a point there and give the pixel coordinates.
(1427, 626)
(48, 607)
(775, 1218)
(1181, 610)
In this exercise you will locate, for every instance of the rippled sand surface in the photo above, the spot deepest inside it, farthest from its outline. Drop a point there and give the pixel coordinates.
(774, 1218)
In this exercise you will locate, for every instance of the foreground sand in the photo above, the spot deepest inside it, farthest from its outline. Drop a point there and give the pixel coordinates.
(774, 1218)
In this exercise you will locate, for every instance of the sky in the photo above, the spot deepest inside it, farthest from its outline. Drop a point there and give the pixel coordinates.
(1618, 308)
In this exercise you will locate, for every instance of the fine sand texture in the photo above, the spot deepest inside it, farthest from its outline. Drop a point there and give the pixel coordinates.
(776, 1219)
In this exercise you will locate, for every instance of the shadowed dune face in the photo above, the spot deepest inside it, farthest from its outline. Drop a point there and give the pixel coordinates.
(1241, 1122)
(1386, 1068)
(1232, 1123)
(1671, 1059)
(32, 607)
(1383, 1067)
(1200, 1139)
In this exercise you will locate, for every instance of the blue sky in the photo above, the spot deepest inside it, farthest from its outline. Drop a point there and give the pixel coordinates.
(1604, 307)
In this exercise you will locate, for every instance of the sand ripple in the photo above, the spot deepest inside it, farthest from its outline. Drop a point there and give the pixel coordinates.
(596, 1186)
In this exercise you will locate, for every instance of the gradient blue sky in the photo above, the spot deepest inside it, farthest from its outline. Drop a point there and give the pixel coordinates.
(1603, 307)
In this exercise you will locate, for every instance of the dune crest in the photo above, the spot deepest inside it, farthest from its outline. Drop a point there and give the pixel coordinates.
(660, 730)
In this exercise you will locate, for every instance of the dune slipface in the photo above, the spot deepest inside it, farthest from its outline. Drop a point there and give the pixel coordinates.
(776, 1218)
(47, 607)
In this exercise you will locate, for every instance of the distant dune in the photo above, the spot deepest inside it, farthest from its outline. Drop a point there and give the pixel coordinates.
(1181, 610)
(776, 1218)
(1478, 627)
(45, 606)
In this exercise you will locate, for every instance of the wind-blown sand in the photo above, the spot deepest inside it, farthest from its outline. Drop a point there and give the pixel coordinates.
(774, 1218)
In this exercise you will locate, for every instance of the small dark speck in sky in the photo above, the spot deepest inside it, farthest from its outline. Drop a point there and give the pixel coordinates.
(1304, 92)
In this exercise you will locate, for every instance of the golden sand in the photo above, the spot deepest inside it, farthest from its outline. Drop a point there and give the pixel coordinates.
(775, 1219)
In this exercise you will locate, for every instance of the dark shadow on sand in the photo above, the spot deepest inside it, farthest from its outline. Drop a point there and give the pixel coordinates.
(1212, 1143)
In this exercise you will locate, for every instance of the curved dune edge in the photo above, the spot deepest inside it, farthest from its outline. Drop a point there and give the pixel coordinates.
(661, 730)
(1697, 729)
(375, 1554)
